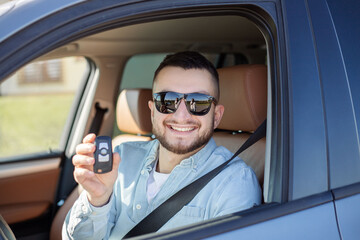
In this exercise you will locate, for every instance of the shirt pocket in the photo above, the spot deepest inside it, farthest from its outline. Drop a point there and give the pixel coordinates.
(192, 212)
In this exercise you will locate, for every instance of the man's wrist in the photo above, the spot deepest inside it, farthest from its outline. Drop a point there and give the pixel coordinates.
(99, 202)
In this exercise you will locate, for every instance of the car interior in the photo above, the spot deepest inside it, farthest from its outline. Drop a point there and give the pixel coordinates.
(236, 46)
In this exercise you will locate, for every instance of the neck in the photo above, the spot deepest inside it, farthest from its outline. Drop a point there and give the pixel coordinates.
(168, 160)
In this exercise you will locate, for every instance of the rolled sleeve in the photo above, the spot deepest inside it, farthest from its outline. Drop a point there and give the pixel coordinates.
(85, 221)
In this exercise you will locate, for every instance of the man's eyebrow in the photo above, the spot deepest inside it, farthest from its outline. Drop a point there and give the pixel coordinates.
(203, 92)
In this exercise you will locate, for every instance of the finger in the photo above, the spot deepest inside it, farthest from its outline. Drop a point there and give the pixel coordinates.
(116, 160)
(85, 149)
(82, 174)
(82, 160)
(90, 138)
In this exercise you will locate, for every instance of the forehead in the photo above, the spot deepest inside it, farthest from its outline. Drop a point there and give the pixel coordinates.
(181, 80)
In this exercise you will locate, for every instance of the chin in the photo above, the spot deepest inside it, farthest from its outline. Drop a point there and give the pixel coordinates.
(180, 149)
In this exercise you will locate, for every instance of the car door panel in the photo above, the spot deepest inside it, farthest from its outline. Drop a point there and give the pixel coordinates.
(28, 188)
(347, 203)
(306, 218)
(314, 223)
(348, 213)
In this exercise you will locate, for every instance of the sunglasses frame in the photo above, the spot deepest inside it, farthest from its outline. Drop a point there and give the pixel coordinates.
(182, 96)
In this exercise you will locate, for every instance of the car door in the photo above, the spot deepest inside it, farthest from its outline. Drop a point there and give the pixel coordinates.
(37, 106)
(297, 194)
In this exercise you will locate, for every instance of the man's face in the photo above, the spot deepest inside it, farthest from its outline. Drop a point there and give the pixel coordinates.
(182, 132)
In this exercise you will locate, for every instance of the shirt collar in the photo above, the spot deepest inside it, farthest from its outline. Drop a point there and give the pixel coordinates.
(153, 154)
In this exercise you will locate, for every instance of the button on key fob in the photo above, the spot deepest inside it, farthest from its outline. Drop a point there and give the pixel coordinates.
(103, 155)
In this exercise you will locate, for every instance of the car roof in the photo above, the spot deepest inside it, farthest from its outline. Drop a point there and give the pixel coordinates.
(163, 36)
(16, 15)
(157, 36)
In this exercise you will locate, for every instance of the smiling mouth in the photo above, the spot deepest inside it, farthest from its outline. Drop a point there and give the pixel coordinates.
(182, 129)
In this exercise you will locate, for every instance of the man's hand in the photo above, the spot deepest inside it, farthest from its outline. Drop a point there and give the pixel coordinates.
(98, 186)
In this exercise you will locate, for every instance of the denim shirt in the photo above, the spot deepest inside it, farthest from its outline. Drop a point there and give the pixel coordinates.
(235, 188)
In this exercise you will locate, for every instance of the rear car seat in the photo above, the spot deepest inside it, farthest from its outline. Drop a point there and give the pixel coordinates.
(133, 119)
(243, 92)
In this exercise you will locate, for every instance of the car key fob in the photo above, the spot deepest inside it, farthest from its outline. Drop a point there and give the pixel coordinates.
(103, 155)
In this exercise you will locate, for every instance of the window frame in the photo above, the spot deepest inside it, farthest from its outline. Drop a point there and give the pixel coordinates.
(85, 25)
(66, 127)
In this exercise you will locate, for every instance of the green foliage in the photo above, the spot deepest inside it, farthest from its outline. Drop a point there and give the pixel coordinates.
(32, 123)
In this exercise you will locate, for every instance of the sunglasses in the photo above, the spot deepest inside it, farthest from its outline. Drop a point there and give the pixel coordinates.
(197, 104)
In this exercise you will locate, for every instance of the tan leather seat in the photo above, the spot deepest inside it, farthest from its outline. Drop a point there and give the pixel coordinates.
(133, 116)
(133, 119)
(243, 92)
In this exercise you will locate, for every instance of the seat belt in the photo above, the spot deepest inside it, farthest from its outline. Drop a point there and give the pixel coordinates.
(97, 121)
(163, 213)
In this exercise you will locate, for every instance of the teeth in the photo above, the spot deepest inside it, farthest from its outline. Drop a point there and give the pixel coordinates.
(182, 129)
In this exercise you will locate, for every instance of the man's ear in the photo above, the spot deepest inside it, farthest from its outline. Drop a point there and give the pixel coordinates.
(219, 111)
(151, 106)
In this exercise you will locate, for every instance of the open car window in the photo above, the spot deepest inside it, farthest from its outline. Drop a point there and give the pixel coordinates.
(35, 103)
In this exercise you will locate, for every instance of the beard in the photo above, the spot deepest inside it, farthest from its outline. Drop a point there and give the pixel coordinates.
(182, 148)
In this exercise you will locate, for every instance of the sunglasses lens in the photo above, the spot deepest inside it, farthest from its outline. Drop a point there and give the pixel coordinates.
(198, 104)
(167, 102)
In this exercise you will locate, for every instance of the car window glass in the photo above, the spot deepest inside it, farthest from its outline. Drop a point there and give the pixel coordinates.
(139, 70)
(34, 105)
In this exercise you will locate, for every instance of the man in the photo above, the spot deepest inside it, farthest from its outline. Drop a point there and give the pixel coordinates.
(150, 172)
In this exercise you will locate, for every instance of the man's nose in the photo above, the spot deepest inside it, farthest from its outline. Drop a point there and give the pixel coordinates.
(182, 112)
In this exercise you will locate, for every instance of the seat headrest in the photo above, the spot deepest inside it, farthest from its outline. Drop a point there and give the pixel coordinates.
(243, 92)
(132, 111)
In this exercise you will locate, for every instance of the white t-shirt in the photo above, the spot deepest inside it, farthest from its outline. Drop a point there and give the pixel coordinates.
(155, 181)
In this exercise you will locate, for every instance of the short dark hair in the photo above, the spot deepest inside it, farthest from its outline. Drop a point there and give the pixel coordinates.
(190, 60)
